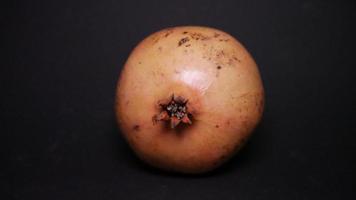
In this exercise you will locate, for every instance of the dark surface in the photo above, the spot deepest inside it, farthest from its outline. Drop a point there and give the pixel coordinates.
(61, 61)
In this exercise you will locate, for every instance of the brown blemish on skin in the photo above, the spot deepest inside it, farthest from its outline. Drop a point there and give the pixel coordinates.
(223, 40)
(230, 61)
(216, 35)
(216, 126)
(220, 53)
(139, 63)
(136, 127)
(238, 60)
(159, 48)
(168, 32)
(127, 102)
(183, 40)
(185, 32)
(155, 39)
(228, 122)
(218, 67)
(188, 45)
(199, 36)
(222, 57)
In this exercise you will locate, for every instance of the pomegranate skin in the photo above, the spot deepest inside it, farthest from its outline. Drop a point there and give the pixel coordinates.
(211, 70)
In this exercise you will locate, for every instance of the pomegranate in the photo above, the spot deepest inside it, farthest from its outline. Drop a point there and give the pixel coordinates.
(188, 98)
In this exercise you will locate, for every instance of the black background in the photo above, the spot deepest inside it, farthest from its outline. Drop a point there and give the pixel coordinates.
(59, 68)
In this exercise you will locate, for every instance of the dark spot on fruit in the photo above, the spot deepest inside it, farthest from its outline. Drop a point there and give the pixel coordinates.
(218, 67)
(230, 61)
(159, 48)
(238, 60)
(139, 63)
(155, 40)
(217, 126)
(228, 122)
(199, 36)
(216, 35)
(185, 32)
(223, 40)
(183, 40)
(136, 127)
(166, 35)
(188, 45)
(220, 53)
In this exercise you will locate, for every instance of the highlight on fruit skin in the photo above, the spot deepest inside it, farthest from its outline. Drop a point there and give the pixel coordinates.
(188, 98)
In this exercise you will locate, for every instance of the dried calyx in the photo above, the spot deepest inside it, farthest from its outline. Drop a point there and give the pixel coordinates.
(175, 111)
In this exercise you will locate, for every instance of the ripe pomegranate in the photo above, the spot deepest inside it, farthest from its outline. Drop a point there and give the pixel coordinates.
(188, 98)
